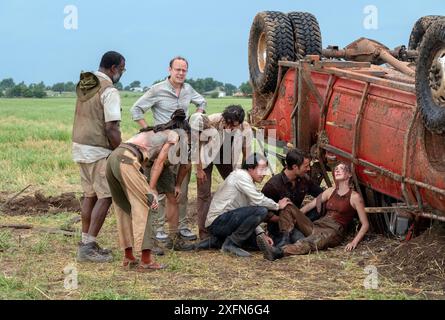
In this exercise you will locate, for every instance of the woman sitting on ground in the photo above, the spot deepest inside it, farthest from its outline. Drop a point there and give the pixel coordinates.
(342, 203)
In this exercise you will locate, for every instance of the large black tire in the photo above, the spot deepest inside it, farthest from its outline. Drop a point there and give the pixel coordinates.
(419, 29)
(307, 35)
(270, 40)
(433, 44)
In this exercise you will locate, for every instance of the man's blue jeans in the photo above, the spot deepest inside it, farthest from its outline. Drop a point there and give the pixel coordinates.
(238, 225)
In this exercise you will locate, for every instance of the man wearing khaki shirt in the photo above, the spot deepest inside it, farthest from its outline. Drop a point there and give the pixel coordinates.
(96, 133)
(163, 99)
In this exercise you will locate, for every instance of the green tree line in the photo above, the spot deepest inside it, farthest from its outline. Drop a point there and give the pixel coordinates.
(203, 85)
(9, 89)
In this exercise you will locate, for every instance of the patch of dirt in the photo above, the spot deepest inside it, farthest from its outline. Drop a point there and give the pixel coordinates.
(39, 204)
(421, 260)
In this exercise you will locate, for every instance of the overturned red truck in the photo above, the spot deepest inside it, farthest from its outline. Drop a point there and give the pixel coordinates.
(381, 110)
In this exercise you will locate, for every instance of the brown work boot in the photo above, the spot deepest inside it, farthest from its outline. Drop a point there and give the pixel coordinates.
(177, 243)
(269, 252)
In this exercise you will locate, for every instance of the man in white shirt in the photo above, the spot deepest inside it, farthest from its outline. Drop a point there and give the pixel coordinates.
(96, 133)
(238, 208)
(235, 139)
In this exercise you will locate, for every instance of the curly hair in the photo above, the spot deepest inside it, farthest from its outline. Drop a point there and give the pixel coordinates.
(233, 113)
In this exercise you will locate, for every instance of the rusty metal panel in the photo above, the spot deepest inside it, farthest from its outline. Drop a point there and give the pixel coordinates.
(393, 157)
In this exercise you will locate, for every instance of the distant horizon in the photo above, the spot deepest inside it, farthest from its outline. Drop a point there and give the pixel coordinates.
(53, 42)
(123, 84)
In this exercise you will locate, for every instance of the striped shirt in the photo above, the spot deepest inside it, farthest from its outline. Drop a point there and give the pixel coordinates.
(162, 99)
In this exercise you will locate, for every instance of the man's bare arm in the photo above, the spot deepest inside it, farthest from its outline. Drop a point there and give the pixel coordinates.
(113, 133)
(158, 166)
(142, 123)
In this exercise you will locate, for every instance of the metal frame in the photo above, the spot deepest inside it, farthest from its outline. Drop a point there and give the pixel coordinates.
(304, 86)
(353, 75)
(356, 138)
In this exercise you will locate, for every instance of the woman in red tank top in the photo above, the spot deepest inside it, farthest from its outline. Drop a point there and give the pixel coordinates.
(339, 208)
(342, 203)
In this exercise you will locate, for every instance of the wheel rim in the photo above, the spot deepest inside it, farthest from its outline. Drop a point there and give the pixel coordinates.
(437, 78)
(262, 52)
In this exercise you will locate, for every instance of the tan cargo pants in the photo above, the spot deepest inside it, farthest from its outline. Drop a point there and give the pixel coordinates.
(135, 229)
(319, 235)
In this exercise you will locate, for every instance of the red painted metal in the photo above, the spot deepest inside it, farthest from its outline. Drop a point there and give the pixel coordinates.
(391, 132)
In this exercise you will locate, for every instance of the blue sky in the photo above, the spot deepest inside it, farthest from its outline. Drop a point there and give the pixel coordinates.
(213, 35)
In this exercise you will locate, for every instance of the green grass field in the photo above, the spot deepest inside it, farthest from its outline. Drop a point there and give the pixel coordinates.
(35, 140)
(35, 149)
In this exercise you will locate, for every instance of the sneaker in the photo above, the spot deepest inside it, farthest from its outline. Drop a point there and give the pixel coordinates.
(231, 247)
(161, 236)
(270, 253)
(178, 244)
(187, 234)
(89, 253)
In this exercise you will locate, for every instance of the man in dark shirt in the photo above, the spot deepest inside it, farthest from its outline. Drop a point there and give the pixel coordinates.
(294, 183)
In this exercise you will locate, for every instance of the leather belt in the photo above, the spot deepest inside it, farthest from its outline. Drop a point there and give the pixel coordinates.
(134, 149)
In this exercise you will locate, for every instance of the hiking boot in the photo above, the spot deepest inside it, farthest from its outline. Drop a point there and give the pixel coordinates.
(103, 251)
(89, 253)
(187, 234)
(161, 236)
(231, 247)
(270, 253)
(211, 242)
(178, 244)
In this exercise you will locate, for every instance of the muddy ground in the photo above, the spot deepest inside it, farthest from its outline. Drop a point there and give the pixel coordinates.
(38, 204)
(419, 263)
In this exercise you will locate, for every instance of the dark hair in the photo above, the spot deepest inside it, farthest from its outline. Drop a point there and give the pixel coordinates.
(178, 58)
(233, 113)
(252, 161)
(295, 157)
(111, 58)
(178, 121)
